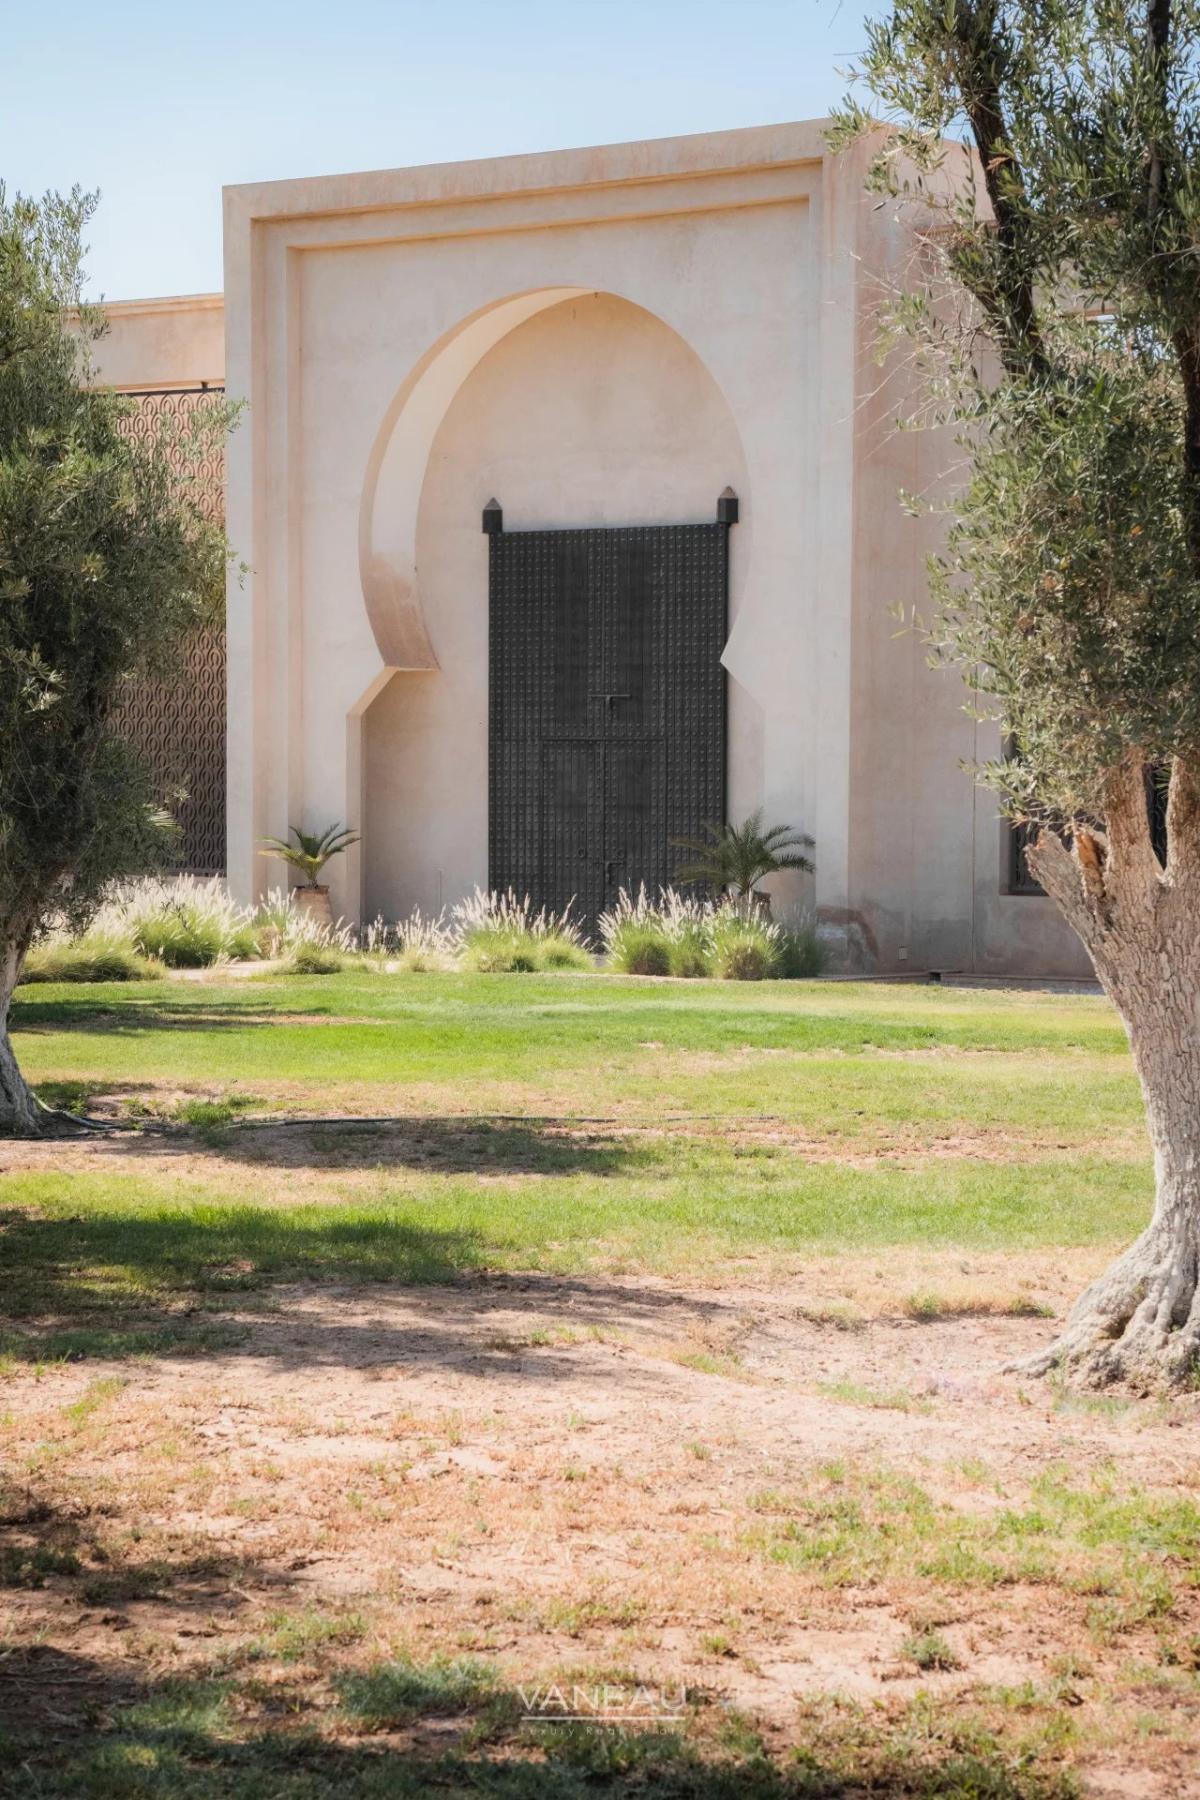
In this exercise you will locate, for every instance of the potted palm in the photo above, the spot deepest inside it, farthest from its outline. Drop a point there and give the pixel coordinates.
(733, 859)
(308, 856)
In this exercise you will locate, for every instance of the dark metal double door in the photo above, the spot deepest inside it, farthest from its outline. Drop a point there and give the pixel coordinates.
(607, 706)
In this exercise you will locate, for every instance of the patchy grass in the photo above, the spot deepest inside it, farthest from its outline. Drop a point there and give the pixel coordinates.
(856, 1393)
(928, 1308)
(716, 1124)
(236, 1586)
(397, 1692)
(82, 1242)
(295, 1636)
(930, 1652)
(201, 1739)
(1140, 1553)
(302, 1536)
(106, 1339)
(20, 1567)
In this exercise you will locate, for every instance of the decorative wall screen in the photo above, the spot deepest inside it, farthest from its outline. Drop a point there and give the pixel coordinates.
(179, 725)
(607, 706)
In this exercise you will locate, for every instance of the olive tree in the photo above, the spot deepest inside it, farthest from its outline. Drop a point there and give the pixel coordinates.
(105, 563)
(1054, 321)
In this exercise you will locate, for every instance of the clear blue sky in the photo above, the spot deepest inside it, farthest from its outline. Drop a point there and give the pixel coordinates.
(158, 104)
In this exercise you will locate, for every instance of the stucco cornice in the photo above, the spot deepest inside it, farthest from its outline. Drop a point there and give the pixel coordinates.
(165, 303)
(759, 147)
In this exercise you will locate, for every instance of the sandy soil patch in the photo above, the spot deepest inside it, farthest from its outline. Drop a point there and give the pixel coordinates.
(577, 1472)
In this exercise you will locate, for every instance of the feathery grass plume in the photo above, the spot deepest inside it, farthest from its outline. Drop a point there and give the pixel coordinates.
(677, 934)
(636, 935)
(97, 954)
(744, 947)
(179, 922)
(280, 926)
(185, 922)
(496, 933)
(411, 946)
(314, 958)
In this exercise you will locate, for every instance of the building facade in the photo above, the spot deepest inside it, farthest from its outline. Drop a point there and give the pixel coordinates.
(566, 494)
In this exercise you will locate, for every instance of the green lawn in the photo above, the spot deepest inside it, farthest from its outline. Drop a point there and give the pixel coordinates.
(834, 1058)
(562, 1124)
(322, 1565)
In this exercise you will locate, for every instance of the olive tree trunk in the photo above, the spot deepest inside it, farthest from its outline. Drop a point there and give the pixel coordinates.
(1139, 1322)
(20, 1114)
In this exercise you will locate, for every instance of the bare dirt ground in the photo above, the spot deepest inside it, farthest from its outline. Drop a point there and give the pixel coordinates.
(566, 1473)
(309, 1146)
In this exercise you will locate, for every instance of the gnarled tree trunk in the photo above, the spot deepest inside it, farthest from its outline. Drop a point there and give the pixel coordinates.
(20, 1114)
(1139, 1322)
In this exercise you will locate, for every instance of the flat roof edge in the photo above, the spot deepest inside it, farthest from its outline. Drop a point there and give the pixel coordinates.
(597, 165)
(161, 303)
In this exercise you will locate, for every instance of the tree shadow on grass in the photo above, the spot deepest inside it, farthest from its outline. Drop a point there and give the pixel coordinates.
(168, 1281)
(133, 1015)
(78, 1725)
(452, 1145)
(159, 1265)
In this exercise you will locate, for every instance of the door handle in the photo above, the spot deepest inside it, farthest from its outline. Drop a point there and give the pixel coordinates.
(609, 698)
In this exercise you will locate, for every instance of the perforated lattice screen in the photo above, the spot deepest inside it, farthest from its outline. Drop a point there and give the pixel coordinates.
(607, 706)
(180, 725)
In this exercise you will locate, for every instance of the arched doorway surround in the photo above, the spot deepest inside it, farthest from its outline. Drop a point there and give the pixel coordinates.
(589, 410)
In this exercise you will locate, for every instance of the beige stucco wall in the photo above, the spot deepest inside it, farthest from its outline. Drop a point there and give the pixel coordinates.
(358, 308)
(596, 336)
(928, 862)
(176, 342)
(591, 413)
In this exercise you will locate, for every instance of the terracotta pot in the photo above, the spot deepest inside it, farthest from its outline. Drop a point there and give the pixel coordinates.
(313, 903)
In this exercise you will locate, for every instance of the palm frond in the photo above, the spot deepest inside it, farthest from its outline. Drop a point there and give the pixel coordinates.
(311, 849)
(737, 857)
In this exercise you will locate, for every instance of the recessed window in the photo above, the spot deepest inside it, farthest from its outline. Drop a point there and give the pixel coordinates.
(1021, 879)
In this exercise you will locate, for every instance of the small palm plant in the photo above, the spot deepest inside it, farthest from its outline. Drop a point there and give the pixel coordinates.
(733, 859)
(311, 850)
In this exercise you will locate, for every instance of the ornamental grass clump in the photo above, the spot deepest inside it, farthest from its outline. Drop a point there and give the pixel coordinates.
(313, 958)
(274, 923)
(679, 935)
(412, 946)
(501, 934)
(148, 926)
(187, 923)
(744, 947)
(802, 955)
(279, 928)
(687, 923)
(100, 954)
(640, 947)
(663, 937)
(689, 954)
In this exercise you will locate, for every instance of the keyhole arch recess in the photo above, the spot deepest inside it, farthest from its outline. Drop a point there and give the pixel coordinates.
(396, 468)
